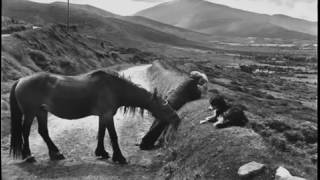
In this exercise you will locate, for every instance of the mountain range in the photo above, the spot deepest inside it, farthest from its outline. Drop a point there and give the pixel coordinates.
(96, 22)
(220, 20)
(186, 23)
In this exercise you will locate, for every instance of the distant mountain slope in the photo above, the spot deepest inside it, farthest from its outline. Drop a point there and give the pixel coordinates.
(299, 25)
(215, 19)
(93, 22)
(181, 32)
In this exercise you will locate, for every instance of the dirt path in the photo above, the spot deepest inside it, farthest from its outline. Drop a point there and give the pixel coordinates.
(77, 141)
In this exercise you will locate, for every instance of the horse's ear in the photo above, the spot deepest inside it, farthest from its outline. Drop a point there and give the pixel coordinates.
(155, 93)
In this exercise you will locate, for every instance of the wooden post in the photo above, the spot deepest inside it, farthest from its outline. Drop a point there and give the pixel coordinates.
(68, 17)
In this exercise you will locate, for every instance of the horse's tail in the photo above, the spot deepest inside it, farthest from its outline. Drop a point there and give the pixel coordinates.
(16, 124)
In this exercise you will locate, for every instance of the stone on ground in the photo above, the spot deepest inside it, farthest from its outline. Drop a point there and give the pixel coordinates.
(250, 168)
(283, 174)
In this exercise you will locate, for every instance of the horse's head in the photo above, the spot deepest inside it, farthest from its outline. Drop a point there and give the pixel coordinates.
(166, 123)
(202, 81)
(201, 77)
(164, 111)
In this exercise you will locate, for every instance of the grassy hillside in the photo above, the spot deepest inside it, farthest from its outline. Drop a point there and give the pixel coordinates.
(93, 22)
(282, 113)
(281, 130)
(180, 32)
(294, 23)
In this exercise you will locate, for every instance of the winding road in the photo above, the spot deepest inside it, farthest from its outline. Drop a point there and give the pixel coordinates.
(76, 139)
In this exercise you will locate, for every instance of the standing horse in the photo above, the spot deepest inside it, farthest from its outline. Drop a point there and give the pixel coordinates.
(98, 93)
(189, 90)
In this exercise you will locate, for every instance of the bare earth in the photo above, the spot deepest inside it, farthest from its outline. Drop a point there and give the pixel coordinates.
(77, 141)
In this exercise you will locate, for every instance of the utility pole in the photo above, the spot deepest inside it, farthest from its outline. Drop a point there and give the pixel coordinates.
(68, 17)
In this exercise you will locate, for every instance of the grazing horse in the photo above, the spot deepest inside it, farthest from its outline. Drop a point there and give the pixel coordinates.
(189, 90)
(225, 115)
(98, 93)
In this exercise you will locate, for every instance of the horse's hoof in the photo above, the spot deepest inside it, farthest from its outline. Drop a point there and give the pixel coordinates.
(120, 160)
(105, 156)
(30, 159)
(102, 154)
(147, 148)
(56, 156)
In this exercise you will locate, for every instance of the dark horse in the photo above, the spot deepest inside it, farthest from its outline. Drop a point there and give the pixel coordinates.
(98, 93)
(189, 90)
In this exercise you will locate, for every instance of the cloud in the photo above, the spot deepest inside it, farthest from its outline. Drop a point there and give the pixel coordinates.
(304, 9)
(291, 3)
(151, 1)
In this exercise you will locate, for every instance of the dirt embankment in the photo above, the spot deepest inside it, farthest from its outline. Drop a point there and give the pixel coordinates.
(281, 129)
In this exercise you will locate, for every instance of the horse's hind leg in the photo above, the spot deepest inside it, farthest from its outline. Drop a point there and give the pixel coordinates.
(100, 151)
(43, 131)
(26, 153)
(117, 154)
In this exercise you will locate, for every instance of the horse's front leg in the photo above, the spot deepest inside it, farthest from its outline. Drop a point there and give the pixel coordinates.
(100, 151)
(117, 154)
(150, 138)
(43, 131)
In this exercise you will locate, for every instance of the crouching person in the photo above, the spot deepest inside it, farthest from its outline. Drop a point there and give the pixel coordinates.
(225, 115)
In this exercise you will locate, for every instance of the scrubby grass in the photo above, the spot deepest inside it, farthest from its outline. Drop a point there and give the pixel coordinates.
(287, 129)
(282, 131)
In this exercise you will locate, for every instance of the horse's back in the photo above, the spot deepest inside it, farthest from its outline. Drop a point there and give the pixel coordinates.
(68, 97)
(55, 93)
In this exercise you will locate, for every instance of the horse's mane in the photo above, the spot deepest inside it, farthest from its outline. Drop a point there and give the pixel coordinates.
(180, 95)
(113, 74)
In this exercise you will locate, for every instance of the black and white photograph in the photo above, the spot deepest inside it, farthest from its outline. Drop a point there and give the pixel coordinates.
(159, 89)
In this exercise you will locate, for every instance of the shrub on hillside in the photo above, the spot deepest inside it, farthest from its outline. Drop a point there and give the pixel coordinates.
(294, 136)
(310, 132)
(68, 67)
(278, 125)
(279, 142)
(43, 61)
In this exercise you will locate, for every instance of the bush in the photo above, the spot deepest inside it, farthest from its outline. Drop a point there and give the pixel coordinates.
(258, 127)
(279, 142)
(269, 96)
(278, 125)
(310, 133)
(294, 136)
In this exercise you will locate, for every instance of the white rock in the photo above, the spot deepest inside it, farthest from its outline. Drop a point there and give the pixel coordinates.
(296, 178)
(283, 174)
(250, 169)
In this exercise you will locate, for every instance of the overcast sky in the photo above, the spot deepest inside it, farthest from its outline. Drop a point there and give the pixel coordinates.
(305, 9)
